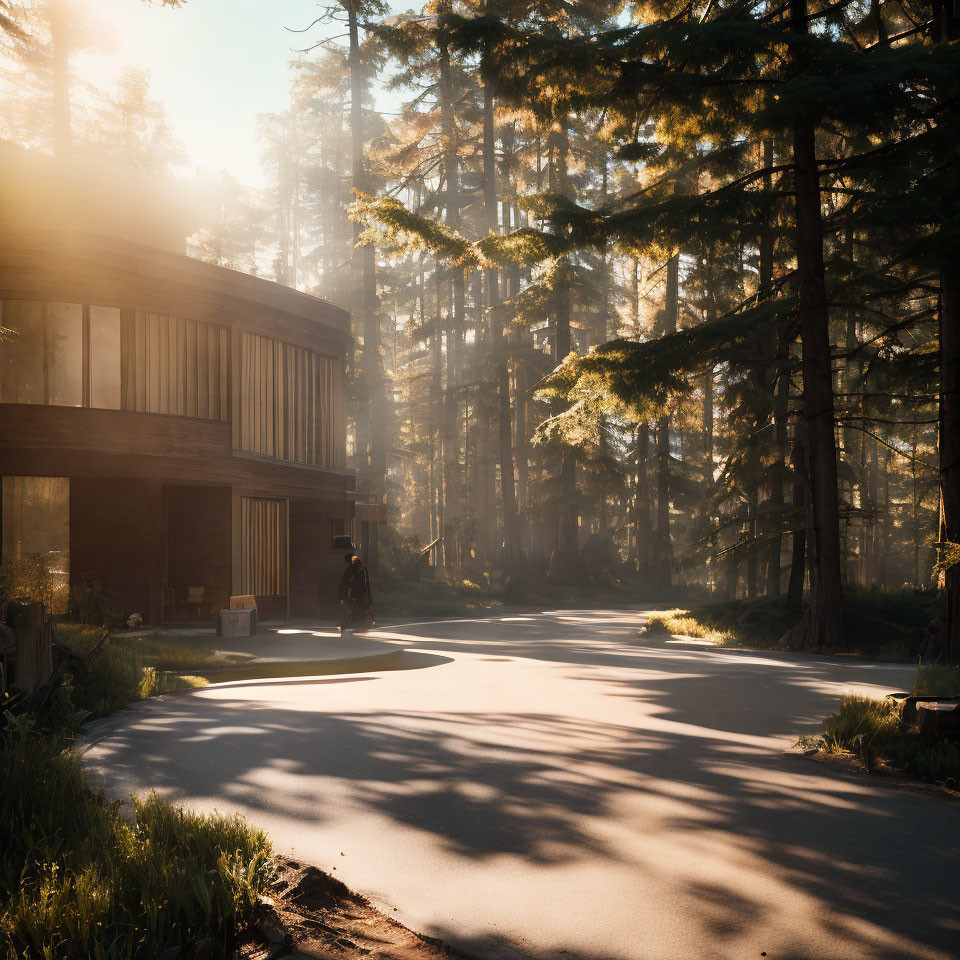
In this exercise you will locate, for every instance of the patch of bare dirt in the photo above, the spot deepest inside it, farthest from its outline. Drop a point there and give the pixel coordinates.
(882, 773)
(310, 914)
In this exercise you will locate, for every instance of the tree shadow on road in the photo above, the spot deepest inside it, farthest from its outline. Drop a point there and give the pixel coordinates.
(863, 867)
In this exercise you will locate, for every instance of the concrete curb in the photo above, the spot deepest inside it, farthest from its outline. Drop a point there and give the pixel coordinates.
(269, 669)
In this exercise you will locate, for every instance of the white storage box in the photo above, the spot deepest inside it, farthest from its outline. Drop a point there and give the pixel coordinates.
(237, 623)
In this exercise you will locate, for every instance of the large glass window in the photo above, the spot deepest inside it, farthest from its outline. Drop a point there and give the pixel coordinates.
(288, 402)
(35, 528)
(175, 366)
(43, 363)
(105, 357)
(67, 354)
(63, 354)
(21, 359)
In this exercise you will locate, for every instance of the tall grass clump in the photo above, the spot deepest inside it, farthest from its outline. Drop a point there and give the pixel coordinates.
(79, 880)
(863, 726)
(682, 623)
(870, 731)
(115, 671)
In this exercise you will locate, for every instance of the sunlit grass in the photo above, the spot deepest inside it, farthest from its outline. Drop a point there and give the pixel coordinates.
(684, 624)
(78, 879)
(119, 670)
(869, 730)
(881, 625)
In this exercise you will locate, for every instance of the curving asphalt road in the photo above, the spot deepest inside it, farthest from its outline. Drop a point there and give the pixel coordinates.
(559, 786)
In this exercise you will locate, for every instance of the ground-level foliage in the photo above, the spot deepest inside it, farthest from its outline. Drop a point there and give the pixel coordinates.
(869, 730)
(882, 625)
(452, 596)
(78, 879)
(125, 668)
(79, 876)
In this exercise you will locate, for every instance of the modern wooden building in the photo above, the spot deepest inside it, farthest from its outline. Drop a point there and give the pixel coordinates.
(170, 427)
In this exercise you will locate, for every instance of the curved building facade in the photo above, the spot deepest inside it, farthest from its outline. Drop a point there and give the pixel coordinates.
(169, 428)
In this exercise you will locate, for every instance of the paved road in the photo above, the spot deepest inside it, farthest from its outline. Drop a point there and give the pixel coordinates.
(558, 785)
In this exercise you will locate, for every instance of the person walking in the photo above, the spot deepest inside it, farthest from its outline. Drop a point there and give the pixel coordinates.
(355, 596)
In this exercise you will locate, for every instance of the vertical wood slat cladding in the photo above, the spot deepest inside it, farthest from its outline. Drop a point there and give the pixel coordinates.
(263, 547)
(289, 407)
(174, 366)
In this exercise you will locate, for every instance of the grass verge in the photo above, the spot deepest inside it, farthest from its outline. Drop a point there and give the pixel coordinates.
(879, 625)
(869, 731)
(124, 669)
(78, 878)
(684, 623)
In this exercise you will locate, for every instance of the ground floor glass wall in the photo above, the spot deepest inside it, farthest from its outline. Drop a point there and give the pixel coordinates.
(35, 534)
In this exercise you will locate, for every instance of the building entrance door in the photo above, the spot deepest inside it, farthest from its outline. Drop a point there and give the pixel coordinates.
(264, 555)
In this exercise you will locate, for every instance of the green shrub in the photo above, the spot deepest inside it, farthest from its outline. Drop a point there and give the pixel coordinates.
(123, 669)
(39, 577)
(863, 726)
(89, 604)
(881, 625)
(112, 678)
(78, 880)
(940, 763)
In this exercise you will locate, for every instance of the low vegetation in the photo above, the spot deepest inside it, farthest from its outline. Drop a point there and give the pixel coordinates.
(394, 597)
(938, 680)
(78, 877)
(881, 625)
(869, 730)
(120, 669)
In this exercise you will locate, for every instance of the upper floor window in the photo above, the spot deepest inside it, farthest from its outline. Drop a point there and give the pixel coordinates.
(289, 404)
(172, 365)
(44, 362)
(70, 354)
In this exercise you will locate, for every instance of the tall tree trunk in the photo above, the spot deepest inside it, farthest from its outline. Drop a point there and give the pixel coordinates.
(643, 529)
(566, 566)
(373, 443)
(947, 27)
(664, 548)
(799, 546)
(781, 403)
(826, 628)
(452, 481)
(604, 314)
(776, 381)
(508, 495)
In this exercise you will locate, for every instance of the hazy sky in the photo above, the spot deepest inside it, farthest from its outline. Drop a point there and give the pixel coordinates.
(215, 64)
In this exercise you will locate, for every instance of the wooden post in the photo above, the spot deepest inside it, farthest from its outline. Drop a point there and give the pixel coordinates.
(33, 628)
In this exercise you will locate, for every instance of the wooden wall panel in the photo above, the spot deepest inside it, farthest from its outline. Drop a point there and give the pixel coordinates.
(198, 544)
(113, 535)
(74, 441)
(313, 579)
